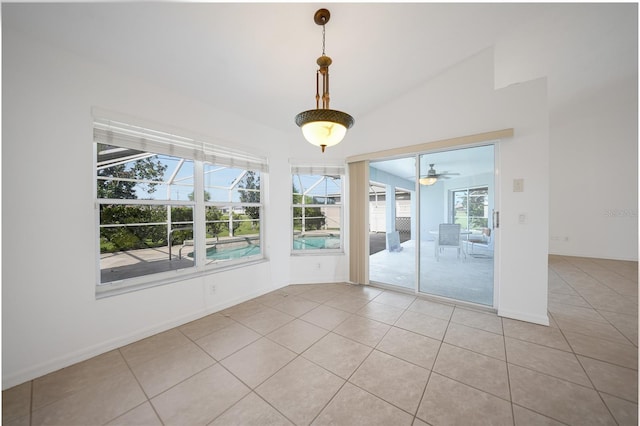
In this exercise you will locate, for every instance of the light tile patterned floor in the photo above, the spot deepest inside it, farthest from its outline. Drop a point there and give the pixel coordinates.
(351, 355)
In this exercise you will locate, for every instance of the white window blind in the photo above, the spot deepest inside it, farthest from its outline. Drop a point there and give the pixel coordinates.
(318, 170)
(139, 138)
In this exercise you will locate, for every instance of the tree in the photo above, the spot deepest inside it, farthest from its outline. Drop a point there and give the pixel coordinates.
(125, 180)
(140, 172)
(314, 218)
(250, 193)
(213, 217)
(207, 196)
(235, 222)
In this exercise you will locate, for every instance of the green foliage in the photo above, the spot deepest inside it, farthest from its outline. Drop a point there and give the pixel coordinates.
(135, 236)
(314, 217)
(214, 227)
(146, 169)
(250, 181)
(207, 196)
(235, 223)
(181, 217)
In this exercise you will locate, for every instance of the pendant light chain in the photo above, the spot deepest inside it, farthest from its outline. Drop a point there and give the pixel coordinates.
(323, 126)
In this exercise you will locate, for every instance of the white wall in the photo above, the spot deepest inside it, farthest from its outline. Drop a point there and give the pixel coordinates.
(593, 138)
(51, 317)
(594, 170)
(461, 102)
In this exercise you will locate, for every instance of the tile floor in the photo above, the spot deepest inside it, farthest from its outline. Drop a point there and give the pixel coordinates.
(351, 355)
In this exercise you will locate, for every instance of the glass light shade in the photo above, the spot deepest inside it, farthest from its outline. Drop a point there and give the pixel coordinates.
(427, 180)
(324, 133)
(324, 127)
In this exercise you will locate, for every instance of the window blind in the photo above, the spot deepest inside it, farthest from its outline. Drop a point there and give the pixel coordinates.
(117, 133)
(320, 170)
(359, 222)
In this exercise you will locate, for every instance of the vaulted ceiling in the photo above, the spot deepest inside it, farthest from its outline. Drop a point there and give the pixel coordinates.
(258, 60)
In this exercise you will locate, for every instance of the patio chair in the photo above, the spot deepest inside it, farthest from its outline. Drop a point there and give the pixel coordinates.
(448, 237)
(482, 238)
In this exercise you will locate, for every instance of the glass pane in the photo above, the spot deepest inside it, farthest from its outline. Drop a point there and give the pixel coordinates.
(456, 248)
(232, 233)
(129, 174)
(478, 208)
(226, 184)
(317, 189)
(317, 212)
(392, 227)
(317, 228)
(136, 240)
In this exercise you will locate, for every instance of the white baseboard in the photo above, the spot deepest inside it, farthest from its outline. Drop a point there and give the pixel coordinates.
(592, 256)
(542, 320)
(33, 372)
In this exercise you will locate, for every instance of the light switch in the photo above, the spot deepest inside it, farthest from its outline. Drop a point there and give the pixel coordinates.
(522, 218)
(518, 185)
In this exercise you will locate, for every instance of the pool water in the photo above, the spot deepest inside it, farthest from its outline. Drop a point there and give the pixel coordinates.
(316, 243)
(214, 253)
(232, 253)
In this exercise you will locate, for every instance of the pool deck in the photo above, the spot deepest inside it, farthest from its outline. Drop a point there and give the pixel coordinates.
(135, 263)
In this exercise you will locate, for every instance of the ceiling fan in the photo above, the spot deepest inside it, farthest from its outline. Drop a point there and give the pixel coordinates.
(433, 176)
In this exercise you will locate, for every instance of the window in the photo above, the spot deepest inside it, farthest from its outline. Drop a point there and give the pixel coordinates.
(470, 207)
(317, 209)
(169, 206)
(232, 213)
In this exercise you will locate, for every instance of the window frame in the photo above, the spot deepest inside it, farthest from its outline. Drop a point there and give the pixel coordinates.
(467, 190)
(323, 172)
(205, 154)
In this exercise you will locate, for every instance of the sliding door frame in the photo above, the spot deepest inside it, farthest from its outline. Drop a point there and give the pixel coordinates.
(358, 228)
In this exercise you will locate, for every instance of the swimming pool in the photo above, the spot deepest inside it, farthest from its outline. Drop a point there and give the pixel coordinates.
(316, 242)
(214, 253)
(233, 253)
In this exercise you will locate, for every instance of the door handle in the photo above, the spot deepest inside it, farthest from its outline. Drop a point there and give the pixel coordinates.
(496, 219)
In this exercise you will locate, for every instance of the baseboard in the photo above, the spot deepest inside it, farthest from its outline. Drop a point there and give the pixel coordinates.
(84, 354)
(542, 320)
(592, 256)
(22, 376)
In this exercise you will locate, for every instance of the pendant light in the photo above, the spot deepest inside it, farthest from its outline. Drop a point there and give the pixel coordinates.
(322, 126)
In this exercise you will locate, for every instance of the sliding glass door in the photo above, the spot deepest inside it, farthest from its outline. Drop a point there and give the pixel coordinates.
(431, 225)
(456, 241)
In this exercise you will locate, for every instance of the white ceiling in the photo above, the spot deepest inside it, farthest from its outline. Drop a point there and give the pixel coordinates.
(258, 60)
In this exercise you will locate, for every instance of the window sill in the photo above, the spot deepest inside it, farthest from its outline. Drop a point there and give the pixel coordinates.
(114, 289)
(303, 253)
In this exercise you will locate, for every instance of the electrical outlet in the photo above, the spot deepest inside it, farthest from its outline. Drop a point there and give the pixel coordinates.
(212, 289)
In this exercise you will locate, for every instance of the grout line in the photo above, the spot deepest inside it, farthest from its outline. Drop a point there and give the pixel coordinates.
(142, 389)
(539, 413)
(31, 392)
(589, 303)
(506, 365)
(352, 315)
(435, 359)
